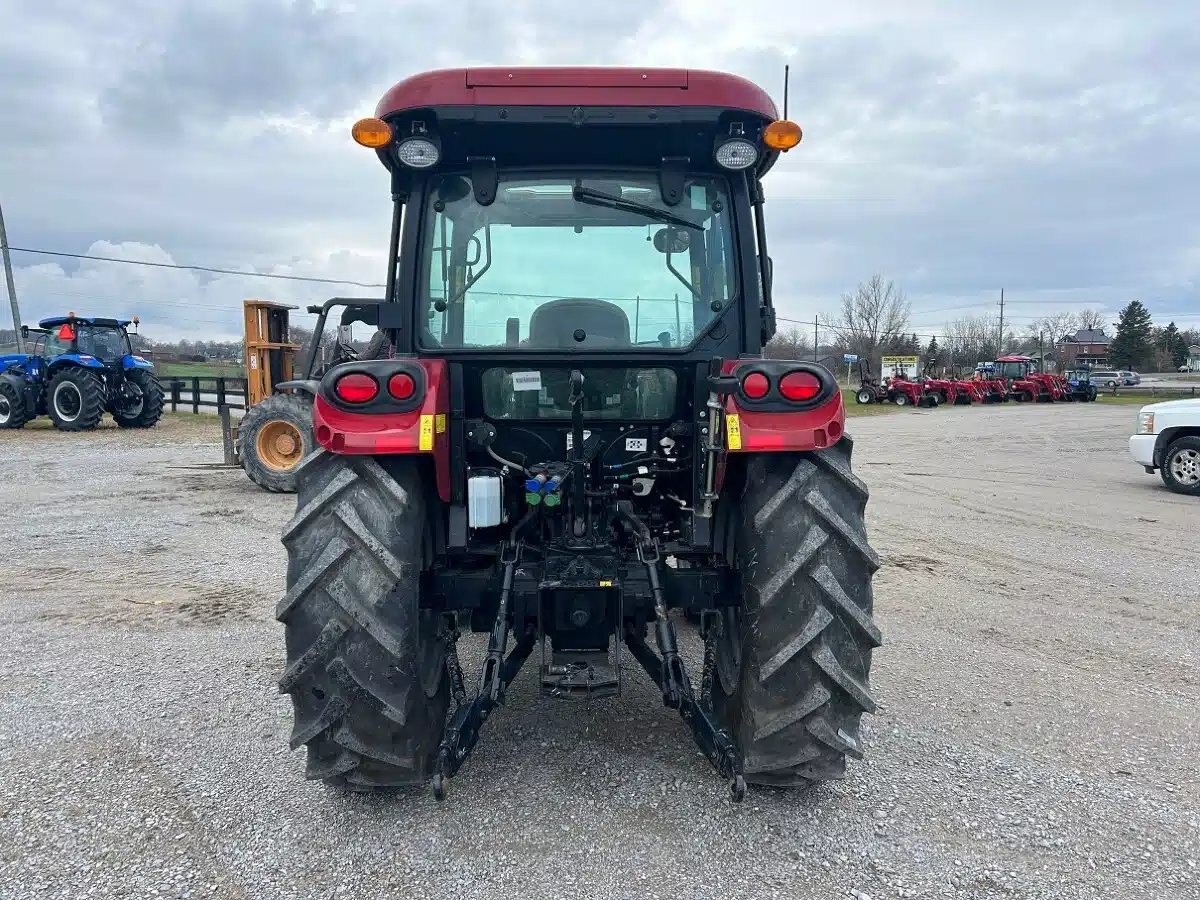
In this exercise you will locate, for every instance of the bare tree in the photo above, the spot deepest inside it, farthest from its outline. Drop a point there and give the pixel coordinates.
(1054, 326)
(874, 316)
(1091, 319)
(971, 339)
(790, 344)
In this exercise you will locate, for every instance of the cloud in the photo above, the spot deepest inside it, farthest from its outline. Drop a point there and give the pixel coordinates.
(956, 149)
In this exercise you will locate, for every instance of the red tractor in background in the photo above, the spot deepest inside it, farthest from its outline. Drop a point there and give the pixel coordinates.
(1028, 384)
(993, 387)
(898, 389)
(950, 390)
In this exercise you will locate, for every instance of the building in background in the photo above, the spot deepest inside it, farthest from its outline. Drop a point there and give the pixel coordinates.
(1087, 347)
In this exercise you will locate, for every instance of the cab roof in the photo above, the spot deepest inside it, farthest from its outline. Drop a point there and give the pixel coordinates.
(1015, 358)
(576, 86)
(55, 321)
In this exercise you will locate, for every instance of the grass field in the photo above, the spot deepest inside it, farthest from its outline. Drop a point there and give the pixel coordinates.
(200, 370)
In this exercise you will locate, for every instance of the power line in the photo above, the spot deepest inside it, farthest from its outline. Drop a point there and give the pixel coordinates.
(212, 269)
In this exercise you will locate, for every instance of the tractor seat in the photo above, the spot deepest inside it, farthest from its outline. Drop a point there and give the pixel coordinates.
(555, 323)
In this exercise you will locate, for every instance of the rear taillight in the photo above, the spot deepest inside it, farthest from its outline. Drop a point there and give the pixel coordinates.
(401, 386)
(755, 385)
(799, 386)
(356, 388)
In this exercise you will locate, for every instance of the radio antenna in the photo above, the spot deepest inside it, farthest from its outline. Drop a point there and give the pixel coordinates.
(785, 89)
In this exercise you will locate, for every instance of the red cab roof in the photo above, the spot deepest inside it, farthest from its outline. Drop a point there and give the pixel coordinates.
(582, 86)
(1015, 358)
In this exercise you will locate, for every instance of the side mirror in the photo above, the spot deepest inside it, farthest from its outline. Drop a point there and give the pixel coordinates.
(672, 240)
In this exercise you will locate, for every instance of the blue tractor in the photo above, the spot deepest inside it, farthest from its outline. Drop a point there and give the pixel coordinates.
(79, 368)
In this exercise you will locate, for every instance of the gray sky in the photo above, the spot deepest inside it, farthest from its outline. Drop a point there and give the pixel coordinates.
(953, 147)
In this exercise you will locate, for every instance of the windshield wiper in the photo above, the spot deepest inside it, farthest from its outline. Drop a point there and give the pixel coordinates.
(599, 198)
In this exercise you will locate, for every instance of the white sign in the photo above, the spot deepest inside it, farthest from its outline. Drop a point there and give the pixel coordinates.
(527, 381)
(899, 365)
(850, 357)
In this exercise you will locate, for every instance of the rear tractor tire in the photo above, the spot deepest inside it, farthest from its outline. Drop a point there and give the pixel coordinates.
(366, 666)
(146, 407)
(274, 437)
(75, 399)
(793, 664)
(12, 404)
(865, 396)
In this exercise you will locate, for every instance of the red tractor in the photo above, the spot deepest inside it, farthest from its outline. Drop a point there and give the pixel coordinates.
(1027, 383)
(948, 390)
(993, 387)
(569, 434)
(896, 389)
(973, 391)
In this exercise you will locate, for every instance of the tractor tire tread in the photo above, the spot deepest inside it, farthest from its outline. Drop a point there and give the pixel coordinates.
(91, 398)
(805, 642)
(14, 394)
(153, 400)
(359, 649)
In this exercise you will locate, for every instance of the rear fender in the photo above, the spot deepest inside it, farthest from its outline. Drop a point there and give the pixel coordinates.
(133, 361)
(385, 428)
(74, 359)
(775, 424)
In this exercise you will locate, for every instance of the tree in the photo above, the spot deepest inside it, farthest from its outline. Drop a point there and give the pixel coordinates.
(1090, 319)
(873, 317)
(1173, 346)
(1054, 327)
(1132, 347)
(933, 350)
(790, 344)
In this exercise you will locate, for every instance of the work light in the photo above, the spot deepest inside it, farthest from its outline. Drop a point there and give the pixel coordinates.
(736, 154)
(418, 152)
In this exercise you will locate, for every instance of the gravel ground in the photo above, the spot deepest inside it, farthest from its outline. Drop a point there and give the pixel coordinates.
(1037, 735)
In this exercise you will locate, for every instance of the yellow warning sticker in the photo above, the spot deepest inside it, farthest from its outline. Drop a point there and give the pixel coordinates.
(439, 423)
(426, 439)
(733, 431)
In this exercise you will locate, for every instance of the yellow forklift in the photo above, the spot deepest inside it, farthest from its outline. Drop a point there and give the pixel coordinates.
(275, 434)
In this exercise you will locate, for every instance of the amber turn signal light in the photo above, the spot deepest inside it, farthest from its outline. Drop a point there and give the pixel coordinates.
(782, 135)
(373, 133)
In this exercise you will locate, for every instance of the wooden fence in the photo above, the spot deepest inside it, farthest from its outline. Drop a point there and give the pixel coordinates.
(192, 394)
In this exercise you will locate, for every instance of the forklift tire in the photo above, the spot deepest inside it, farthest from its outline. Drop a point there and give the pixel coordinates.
(151, 409)
(366, 666)
(865, 396)
(274, 438)
(12, 404)
(793, 664)
(75, 399)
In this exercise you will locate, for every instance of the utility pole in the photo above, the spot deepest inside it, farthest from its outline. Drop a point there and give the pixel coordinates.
(12, 288)
(1000, 343)
(816, 334)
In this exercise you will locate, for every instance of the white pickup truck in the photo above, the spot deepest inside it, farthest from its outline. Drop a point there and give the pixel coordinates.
(1168, 439)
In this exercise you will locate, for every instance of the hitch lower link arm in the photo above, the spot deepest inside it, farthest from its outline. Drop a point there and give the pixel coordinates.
(462, 733)
(668, 671)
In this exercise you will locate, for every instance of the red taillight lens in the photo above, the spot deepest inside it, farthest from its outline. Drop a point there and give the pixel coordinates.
(356, 388)
(401, 386)
(799, 386)
(755, 385)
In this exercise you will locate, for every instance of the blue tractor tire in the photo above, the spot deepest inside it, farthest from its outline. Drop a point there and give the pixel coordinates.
(148, 408)
(75, 399)
(12, 403)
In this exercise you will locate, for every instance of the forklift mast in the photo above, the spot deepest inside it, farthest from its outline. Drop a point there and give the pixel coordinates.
(269, 354)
